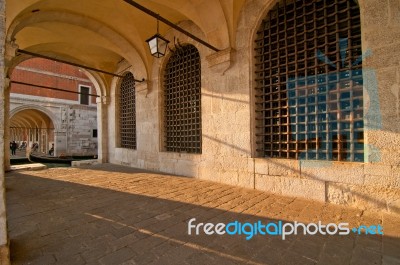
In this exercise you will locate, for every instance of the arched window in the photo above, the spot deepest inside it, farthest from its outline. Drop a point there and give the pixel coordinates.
(127, 105)
(309, 86)
(182, 101)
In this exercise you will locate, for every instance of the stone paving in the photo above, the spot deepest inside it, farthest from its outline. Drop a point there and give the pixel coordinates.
(108, 214)
(34, 166)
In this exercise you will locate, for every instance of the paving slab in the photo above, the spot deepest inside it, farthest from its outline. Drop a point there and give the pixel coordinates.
(33, 166)
(109, 214)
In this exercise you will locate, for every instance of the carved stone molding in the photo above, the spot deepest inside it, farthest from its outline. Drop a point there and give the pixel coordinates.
(143, 87)
(103, 100)
(10, 52)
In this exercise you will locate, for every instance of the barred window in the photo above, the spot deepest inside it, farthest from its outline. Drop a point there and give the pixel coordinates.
(182, 101)
(127, 106)
(309, 85)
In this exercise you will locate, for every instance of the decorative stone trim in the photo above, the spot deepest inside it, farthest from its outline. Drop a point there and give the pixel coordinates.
(142, 86)
(10, 52)
(103, 100)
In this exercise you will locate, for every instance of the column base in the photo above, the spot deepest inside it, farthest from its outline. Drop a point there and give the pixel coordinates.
(5, 255)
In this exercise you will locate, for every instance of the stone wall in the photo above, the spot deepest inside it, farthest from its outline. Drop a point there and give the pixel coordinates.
(227, 121)
(73, 123)
(4, 252)
(80, 122)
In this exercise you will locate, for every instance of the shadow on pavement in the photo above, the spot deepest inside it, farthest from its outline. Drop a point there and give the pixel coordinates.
(137, 217)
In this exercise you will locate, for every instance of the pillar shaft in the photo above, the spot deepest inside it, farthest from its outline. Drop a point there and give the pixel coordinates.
(102, 125)
(4, 249)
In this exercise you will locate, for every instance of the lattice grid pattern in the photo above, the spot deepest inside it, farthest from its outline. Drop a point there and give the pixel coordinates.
(182, 101)
(128, 112)
(309, 86)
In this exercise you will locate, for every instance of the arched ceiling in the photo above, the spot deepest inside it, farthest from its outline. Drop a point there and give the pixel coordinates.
(31, 118)
(102, 33)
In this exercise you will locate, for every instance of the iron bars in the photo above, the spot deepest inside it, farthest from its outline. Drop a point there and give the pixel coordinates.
(127, 117)
(182, 101)
(309, 86)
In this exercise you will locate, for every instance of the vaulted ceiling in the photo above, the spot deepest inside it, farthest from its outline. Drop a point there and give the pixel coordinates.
(31, 118)
(102, 33)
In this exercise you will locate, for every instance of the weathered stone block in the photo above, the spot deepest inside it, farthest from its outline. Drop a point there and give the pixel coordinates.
(187, 168)
(364, 197)
(85, 163)
(140, 163)
(394, 205)
(377, 169)
(291, 186)
(214, 165)
(376, 14)
(378, 180)
(187, 156)
(383, 57)
(388, 93)
(395, 176)
(390, 157)
(261, 166)
(352, 173)
(384, 140)
(207, 173)
(229, 177)
(378, 38)
(250, 165)
(394, 13)
(234, 163)
(150, 165)
(216, 106)
(283, 167)
(240, 143)
(277, 167)
(168, 165)
(246, 180)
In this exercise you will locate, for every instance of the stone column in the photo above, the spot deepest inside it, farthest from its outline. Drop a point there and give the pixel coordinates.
(10, 51)
(4, 250)
(6, 124)
(102, 128)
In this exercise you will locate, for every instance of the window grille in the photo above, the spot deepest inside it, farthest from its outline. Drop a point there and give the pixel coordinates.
(128, 112)
(182, 101)
(309, 85)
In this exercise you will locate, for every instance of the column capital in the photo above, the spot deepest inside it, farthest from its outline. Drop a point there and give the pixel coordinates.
(142, 85)
(105, 100)
(10, 52)
(221, 61)
(7, 83)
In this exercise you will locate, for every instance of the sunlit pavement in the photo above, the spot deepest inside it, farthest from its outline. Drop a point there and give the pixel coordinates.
(110, 214)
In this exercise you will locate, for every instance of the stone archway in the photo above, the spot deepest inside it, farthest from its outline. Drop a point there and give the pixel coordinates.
(31, 125)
